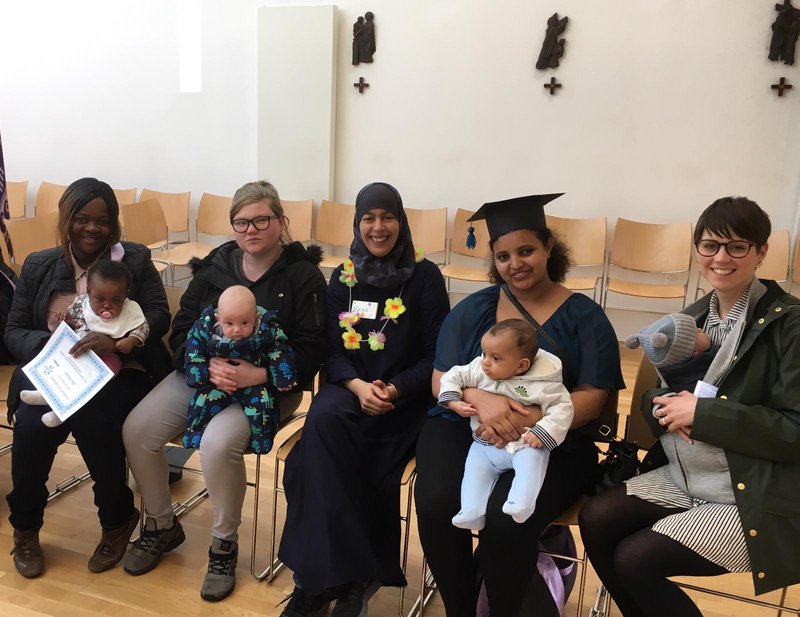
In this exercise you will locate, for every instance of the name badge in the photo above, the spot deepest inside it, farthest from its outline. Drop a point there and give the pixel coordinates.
(705, 390)
(367, 310)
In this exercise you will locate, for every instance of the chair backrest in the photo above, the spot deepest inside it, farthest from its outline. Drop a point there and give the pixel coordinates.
(214, 215)
(585, 238)
(300, 215)
(16, 198)
(48, 196)
(637, 428)
(428, 229)
(458, 238)
(796, 263)
(652, 247)
(125, 196)
(776, 264)
(335, 223)
(31, 235)
(175, 207)
(174, 295)
(144, 222)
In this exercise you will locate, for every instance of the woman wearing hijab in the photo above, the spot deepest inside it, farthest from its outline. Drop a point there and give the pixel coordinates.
(342, 532)
(88, 226)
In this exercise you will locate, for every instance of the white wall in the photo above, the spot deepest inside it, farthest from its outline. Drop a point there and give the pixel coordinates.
(665, 105)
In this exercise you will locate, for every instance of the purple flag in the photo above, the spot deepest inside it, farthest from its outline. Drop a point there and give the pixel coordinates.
(5, 214)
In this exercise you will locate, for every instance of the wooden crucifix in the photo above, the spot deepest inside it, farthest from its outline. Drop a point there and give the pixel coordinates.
(552, 85)
(781, 86)
(361, 84)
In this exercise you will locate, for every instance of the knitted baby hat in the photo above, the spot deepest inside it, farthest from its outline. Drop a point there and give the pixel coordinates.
(668, 341)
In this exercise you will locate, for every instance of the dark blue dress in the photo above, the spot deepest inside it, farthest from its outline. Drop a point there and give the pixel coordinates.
(342, 480)
(508, 550)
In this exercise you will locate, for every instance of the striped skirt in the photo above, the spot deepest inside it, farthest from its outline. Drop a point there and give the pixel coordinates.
(712, 530)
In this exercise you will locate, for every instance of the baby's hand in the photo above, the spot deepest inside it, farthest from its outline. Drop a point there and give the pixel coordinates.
(462, 408)
(532, 440)
(126, 345)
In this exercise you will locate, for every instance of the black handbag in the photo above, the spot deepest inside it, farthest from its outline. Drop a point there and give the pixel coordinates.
(621, 463)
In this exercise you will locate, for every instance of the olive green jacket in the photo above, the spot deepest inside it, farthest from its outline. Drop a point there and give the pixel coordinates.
(755, 419)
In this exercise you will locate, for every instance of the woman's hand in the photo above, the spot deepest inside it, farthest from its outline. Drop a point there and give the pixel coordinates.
(676, 413)
(231, 375)
(502, 419)
(375, 397)
(99, 343)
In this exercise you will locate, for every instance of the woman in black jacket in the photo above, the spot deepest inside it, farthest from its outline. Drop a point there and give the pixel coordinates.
(285, 278)
(88, 225)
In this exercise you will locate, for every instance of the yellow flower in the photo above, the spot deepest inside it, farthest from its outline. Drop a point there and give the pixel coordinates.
(394, 308)
(347, 320)
(376, 340)
(351, 338)
(419, 255)
(348, 277)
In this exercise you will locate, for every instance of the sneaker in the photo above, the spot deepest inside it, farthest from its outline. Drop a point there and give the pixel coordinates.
(221, 576)
(28, 556)
(113, 544)
(352, 601)
(303, 605)
(151, 546)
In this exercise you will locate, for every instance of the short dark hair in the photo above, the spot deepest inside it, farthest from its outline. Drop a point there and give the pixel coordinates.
(526, 339)
(735, 216)
(558, 264)
(108, 270)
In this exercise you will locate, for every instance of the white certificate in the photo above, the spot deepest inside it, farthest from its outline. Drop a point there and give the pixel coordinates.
(66, 382)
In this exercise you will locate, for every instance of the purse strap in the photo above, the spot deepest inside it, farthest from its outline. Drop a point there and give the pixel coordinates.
(540, 331)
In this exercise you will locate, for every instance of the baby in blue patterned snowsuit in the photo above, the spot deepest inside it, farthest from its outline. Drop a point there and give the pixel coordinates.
(237, 329)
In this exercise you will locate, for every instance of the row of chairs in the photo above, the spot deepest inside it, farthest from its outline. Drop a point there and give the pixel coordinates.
(644, 260)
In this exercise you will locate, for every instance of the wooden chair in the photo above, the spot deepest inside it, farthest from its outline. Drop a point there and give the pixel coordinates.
(144, 222)
(31, 235)
(176, 209)
(213, 219)
(651, 249)
(335, 229)
(586, 240)
(639, 431)
(477, 270)
(125, 196)
(48, 196)
(17, 192)
(796, 264)
(428, 229)
(300, 215)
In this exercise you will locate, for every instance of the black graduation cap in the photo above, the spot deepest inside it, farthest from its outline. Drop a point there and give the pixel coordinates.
(512, 214)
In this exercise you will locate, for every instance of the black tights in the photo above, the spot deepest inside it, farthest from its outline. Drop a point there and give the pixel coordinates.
(633, 561)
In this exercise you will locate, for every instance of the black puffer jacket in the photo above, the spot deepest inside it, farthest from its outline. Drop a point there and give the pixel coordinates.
(293, 286)
(47, 271)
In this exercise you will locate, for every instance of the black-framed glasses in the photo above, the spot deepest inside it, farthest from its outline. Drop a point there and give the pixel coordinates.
(260, 223)
(735, 248)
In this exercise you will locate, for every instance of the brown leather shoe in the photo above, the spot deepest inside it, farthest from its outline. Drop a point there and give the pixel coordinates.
(28, 556)
(113, 544)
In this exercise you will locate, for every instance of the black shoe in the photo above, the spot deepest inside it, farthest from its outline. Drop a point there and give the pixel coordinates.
(175, 475)
(28, 556)
(302, 605)
(151, 546)
(113, 544)
(353, 599)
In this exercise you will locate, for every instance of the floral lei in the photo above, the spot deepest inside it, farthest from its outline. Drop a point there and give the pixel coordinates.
(393, 308)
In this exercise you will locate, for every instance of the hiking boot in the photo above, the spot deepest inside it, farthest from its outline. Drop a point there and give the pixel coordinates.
(151, 546)
(304, 605)
(353, 599)
(113, 544)
(221, 576)
(28, 556)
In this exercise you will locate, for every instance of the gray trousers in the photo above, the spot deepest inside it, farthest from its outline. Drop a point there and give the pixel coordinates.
(159, 417)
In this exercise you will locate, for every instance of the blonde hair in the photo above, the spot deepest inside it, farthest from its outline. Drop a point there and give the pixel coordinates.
(261, 190)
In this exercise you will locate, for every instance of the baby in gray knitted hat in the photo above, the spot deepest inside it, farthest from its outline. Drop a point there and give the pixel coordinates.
(680, 350)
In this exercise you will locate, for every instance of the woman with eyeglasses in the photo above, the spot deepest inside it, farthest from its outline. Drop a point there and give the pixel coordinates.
(284, 277)
(727, 499)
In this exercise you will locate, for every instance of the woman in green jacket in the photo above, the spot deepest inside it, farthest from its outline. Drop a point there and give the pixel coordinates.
(727, 501)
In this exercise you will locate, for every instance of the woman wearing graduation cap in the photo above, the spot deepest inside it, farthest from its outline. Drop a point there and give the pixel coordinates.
(528, 265)
(385, 307)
